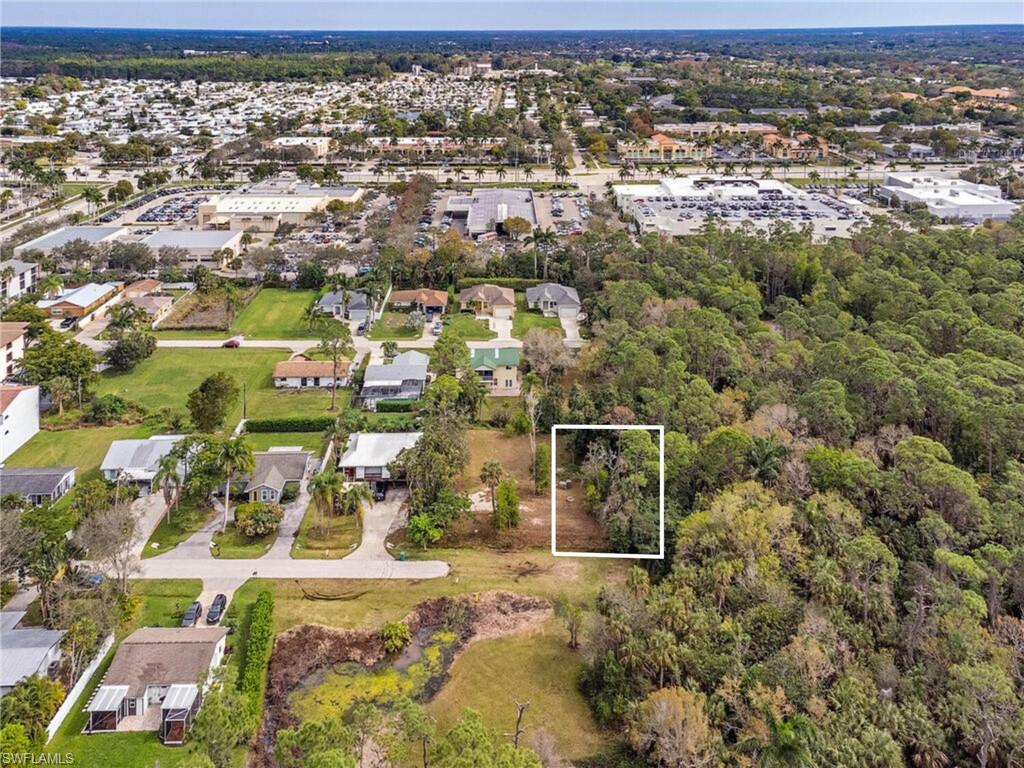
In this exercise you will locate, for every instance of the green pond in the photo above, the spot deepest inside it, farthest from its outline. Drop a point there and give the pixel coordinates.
(329, 691)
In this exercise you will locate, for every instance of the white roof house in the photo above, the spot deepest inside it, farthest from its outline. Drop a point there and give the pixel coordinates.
(83, 296)
(27, 651)
(137, 460)
(368, 454)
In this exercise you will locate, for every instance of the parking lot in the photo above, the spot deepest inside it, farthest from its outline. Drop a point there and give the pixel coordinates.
(164, 200)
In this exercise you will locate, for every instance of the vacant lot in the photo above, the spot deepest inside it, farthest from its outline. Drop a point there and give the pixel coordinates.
(468, 328)
(276, 313)
(525, 319)
(492, 675)
(340, 538)
(166, 378)
(203, 311)
(390, 326)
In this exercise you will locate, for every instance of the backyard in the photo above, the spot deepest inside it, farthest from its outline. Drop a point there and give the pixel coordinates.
(81, 448)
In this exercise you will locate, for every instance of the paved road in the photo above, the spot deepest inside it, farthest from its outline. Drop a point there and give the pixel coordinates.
(228, 571)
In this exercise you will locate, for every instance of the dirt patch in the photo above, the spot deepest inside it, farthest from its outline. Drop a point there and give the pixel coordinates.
(303, 653)
(210, 311)
(575, 529)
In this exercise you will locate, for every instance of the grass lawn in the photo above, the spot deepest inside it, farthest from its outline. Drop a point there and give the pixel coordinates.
(390, 326)
(276, 313)
(162, 604)
(491, 675)
(184, 521)
(264, 441)
(166, 378)
(524, 319)
(232, 545)
(341, 538)
(81, 448)
(468, 328)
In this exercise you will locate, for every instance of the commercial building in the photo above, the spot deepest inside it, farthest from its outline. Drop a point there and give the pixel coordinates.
(51, 240)
(682, 206)
(484, 211)
(267, 205)
(948, 197)
(662, 149)
(209, 248)
(18, 277)
(803, 147)
(319, 146)
(19, 417)
(714, 128)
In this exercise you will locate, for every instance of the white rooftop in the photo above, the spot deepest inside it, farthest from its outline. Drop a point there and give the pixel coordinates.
(376, 449)
(23, 650)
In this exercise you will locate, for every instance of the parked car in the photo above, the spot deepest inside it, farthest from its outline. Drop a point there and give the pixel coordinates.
(232, 344)
(216, 611)
(67, 322)
(192, 615)
(361, 329)
(436, 330)
(380, 491)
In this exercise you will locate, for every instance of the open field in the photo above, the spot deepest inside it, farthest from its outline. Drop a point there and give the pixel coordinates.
(81, 448)
(390, 326)
(341, 538)
(166, 378)
(468, 328)
(492, 675)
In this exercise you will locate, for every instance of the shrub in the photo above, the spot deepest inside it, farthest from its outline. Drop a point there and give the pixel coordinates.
(106, 409)
(395, 406)
(396, 636)
(130, 349)
(257, 649)
(506, 513)
(517, 283)
(519, 424)
(258, 518)
(290, 424)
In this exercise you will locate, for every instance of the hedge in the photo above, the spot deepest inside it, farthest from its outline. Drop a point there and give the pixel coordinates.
(517, 283)
(291, 424)
(396, 406)
(257, 649)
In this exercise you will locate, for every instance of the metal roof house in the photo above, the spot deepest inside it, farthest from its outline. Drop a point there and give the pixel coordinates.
(26, 651)
(404, 379)
(137, 461)
(153, 681)
(553, 299)
(368, 454)
(37, 484)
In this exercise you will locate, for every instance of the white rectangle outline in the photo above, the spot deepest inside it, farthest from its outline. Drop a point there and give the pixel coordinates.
(660, 429)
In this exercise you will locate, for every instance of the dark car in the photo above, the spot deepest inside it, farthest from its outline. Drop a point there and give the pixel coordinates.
(67, 322)
(361, 329)
(216, 609)
(232, 344)
(192, 615)
(380, 491)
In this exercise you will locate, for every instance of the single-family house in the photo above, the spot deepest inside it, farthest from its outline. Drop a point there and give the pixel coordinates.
(12, 341)
(37, 484)
(274, 469)
(19, 417)
(27, 651)
(356, 308)
(553, 299)
(302, 373)
(487, 299)
(156, 306)
(368, 454)
(80, 301)
(426, 300)
(403, 379)
(18, 277)
(142, 287)
(498, 369)
(137, 461)
(152, 682)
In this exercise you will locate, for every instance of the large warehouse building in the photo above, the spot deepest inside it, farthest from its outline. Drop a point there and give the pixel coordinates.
(948, 197)
(267, 205)
(681, 206)
(486, 210)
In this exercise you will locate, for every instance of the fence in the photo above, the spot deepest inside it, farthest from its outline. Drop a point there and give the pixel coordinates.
(78, 688)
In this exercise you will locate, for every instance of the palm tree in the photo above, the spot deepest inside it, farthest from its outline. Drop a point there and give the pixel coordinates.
(168, 478)
(5, 199)
(479, 172)
(325, 489)
(814, 176)
(767, 174)
(93, 197)
(789, 744)
(389, 349)
(353, 498)
(233, 455)
(500, 172)
(61, 389)
(527, 172)
(767, 457)
(490, 475)
(49, 285)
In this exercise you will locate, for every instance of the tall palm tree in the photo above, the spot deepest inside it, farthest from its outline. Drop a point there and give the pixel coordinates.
(353, 498)
(527, 172)
(490, 475)
(93, 197)
(168, 478)
(325, 489)
(233, 455)
(500, 172)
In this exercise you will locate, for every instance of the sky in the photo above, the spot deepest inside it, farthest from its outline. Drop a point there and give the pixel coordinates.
(505, 14)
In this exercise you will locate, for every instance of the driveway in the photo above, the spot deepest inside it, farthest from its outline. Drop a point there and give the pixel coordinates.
(572, 331)
(289, 527)
(377, 523)
(501, 326)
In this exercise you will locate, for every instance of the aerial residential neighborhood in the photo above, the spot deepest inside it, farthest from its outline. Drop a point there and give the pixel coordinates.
(378, 392)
